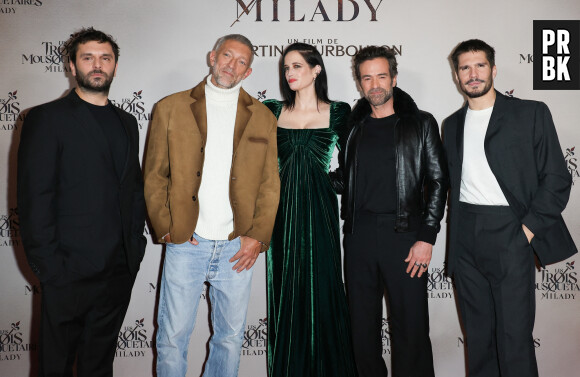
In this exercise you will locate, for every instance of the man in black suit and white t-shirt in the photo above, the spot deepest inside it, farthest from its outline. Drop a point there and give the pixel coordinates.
(509, 186)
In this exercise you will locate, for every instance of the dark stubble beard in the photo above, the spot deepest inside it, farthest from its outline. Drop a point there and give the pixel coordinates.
(481, 93)
(379, 99)
(101, 86)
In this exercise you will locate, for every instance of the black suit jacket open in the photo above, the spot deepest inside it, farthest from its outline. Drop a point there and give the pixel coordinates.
(74, 209)
(523, 152)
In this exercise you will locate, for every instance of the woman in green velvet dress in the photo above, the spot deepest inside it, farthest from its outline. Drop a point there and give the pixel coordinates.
(308, 325)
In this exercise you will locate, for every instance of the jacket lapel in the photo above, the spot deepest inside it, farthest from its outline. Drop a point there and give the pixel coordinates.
(243, 116)
(128, 151)
(494, 122)
(198, 109)
(493, 129)
(459, 135)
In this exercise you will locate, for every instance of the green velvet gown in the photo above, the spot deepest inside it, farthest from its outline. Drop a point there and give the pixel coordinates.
(308, 324)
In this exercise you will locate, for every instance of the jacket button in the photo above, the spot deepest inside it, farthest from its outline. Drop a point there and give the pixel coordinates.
(193, 198)
(234, 178)
(198, 174)
(201, 149)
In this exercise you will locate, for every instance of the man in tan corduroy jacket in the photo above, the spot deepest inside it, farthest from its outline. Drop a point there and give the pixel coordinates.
(212, 190)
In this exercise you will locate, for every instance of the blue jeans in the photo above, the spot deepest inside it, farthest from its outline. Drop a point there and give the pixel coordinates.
(185, 270)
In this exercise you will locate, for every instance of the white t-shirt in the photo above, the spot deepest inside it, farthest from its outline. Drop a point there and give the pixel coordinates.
(478, 183)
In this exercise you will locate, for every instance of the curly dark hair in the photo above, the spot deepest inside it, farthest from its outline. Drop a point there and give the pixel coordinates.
(473, 45)
(85, 35)
(374, 52)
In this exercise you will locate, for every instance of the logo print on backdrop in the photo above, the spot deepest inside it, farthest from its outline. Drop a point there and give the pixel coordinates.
(50, 57)
(557, 52)
(526, 58)
(558, 283)
(255, 338)
(136, 107)
(15, 4)
(146, 230)
(262, 95)
(12, 343)
(32, 290)
(152, 288)
(133, 341)
(10, 112)
(572, 162)
(10, 228)
(509, 93)
(299, 12)
(326, 47)
(439, 285)
(386, 336)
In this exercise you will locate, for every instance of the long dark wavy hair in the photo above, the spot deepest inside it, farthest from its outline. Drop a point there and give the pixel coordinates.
(313, 58)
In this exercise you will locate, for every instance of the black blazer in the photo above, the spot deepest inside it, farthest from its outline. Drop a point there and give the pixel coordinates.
(74, 210)
(523, 152)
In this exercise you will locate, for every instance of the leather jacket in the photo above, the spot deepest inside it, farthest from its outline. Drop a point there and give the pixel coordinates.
(422, 176)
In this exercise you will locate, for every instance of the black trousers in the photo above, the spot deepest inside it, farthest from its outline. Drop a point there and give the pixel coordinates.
(81, 321)
(495, 278)
(374, 260)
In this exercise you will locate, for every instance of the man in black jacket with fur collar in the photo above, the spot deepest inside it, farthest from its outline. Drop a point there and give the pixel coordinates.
(395, 186)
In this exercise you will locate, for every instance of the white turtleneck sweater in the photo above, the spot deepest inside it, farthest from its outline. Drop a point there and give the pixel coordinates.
(216, 219)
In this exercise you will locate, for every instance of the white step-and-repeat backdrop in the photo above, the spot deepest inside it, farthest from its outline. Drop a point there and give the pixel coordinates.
(164, 49)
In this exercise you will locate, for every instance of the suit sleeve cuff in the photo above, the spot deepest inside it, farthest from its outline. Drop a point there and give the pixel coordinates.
(427, 234)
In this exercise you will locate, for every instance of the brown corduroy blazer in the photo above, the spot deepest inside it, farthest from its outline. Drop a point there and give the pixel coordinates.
(173, 167)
